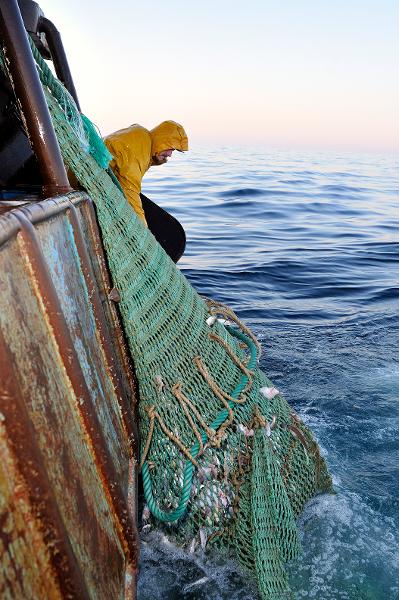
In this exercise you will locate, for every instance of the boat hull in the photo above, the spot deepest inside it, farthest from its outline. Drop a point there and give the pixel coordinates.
(67, 411)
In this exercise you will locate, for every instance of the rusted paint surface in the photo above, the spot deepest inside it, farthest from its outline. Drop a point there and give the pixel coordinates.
(106, 343)
(56, 240)
(73, 389)
(22, 548)
(63, 440)
(98, 273)
(29, 513)
(105, 285)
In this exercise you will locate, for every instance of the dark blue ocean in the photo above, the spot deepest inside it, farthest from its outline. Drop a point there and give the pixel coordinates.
(305, 248)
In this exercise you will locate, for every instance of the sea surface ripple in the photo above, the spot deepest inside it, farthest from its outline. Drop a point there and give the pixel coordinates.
(305, 248)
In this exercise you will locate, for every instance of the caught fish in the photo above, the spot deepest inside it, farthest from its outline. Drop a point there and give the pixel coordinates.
(267, 429)
(146, 514)
(214, 471)
(247, 432)
(225, 321)
(114, 295)
(269, 392)
(223, 498)
(159, 383)
(203, 537)
(211, 320)
(204, 474)
(196, 583)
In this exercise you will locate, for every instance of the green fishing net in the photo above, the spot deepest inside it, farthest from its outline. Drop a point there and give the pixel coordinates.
(226, 463)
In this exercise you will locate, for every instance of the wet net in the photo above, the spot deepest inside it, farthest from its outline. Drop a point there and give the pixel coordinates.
(226, 463)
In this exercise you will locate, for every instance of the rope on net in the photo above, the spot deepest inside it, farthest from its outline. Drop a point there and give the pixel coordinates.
(193, 453)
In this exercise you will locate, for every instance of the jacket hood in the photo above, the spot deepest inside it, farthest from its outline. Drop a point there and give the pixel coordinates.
(166, 135)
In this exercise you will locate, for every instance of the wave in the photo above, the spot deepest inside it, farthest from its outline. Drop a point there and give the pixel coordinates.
(349, 551)
(239, 192)
(334, 187)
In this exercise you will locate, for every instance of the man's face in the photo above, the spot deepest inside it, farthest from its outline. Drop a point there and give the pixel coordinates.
(162, 157)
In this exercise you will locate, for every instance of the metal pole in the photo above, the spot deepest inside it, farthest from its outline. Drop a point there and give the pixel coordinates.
(58, 55)
(33, 104)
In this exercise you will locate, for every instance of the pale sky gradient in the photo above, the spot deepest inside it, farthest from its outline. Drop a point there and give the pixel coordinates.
(288, 73)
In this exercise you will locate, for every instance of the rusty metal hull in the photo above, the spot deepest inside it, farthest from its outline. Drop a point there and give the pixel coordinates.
(67, 411)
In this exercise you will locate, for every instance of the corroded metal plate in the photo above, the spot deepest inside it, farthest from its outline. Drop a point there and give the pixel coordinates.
(67, 402)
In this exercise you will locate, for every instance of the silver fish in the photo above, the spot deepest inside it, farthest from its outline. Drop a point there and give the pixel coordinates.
(196, 583)
(203, 538)
(192, 546)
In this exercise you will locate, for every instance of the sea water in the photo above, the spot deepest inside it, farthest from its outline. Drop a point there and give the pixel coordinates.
(305, 248)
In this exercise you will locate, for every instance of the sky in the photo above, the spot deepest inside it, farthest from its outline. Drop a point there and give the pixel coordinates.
(287, 73)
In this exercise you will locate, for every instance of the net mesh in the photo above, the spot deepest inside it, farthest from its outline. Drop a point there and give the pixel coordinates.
(226, 463)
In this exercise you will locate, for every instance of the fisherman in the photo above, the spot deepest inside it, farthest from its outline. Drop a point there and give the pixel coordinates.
(135, 150)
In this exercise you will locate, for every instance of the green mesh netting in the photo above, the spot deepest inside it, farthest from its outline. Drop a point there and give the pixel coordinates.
(226, 463)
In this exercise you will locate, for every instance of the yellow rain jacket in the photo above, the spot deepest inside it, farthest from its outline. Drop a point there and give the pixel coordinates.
(133, 149)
